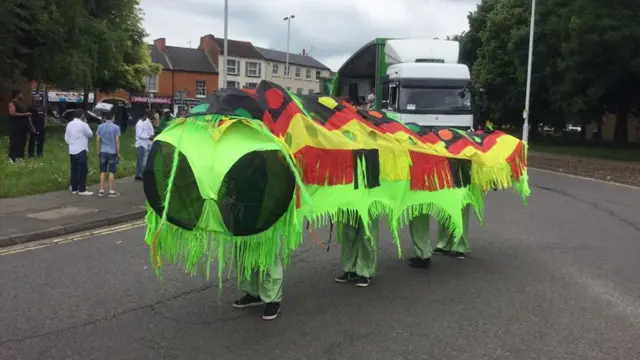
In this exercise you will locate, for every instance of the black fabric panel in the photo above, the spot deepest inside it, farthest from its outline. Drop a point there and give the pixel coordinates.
(372, 166)
(228, 101)
(461, 172)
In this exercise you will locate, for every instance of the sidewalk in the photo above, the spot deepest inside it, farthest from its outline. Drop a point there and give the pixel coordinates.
(44, 216)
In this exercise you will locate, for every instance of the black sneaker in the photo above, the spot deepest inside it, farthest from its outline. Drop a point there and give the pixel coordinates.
(363, 281)
(247, 301)
(419, 263)
(271, 311)
(348, 276)
(459, 255)
(441, 251)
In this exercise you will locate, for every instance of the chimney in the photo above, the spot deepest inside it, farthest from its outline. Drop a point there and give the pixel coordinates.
(207, 42)
(161, 44)
(210, 47)
(304, 52)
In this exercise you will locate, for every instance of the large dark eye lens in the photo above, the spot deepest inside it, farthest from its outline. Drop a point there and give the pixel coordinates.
(186, 204)
(256, 192)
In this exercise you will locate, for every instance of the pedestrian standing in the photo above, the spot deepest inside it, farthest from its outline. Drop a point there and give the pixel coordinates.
(36, 139)
(144, 136)
(108, 144)
(19, 125)
(77, 135)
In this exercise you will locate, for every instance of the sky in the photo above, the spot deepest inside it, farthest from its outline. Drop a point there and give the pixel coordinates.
(330, 30)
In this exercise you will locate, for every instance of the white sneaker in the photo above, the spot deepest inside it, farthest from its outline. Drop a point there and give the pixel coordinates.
(75, 192)
(85, 193)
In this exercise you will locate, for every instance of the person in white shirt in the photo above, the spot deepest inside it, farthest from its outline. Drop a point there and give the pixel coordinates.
(371, 100)
(144, 138)
(77, 135)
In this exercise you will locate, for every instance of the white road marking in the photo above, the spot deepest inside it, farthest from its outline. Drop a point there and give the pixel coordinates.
(586, 178)
(70, 238)
(625, 304)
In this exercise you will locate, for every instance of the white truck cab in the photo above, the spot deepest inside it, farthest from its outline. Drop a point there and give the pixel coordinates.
(426, 85)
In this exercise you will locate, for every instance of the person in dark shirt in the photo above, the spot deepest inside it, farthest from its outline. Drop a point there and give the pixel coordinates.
(19, 125)
(39, 122)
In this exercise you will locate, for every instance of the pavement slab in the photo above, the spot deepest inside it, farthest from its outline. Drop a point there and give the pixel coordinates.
(58, 213)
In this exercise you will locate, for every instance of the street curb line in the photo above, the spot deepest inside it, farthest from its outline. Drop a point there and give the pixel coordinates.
(56, 231)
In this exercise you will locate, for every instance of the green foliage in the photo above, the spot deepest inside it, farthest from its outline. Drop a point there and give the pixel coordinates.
(586, 60)
(75, 43)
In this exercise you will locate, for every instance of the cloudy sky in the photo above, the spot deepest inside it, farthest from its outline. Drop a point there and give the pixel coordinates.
(331, 29)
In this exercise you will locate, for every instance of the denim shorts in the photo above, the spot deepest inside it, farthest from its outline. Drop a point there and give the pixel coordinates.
(108, 163)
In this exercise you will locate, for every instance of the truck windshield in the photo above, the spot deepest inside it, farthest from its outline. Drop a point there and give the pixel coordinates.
(433, 98)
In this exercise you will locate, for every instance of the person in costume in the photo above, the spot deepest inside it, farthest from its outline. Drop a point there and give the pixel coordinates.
(448, 244)
(263, 289)
(419, 228)
(358, 253)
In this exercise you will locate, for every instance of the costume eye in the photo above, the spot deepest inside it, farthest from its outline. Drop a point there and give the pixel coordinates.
(256, 192)
(186, 204)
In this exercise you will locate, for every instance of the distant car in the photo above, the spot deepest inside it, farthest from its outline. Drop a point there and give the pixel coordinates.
(67, 116)
(573, 128)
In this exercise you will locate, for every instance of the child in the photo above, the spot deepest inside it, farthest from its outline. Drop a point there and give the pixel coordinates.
(108, 145)
(144, 136)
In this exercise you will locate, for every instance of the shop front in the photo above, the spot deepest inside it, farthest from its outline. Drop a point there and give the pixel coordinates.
(140, 104)
(182, 106)
(60, 101)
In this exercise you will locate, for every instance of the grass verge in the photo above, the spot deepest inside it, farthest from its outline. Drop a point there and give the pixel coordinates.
(51, 172)
(631, 154)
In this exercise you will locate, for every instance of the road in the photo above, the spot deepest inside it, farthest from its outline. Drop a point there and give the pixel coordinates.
(557, 279)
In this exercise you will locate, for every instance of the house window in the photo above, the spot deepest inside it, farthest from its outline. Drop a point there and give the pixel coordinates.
(233, 67)
(275, 70)
(307, 74)
(299, 91)
(253, 69)
(318, 74)
(233, 84)
(297, 73)
(151, 83)
(311, 91)
(201, 88)
(251, 85)
(287, 70)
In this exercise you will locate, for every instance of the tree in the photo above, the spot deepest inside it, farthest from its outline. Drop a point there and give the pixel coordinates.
(122, 58)
(575, 78)
(600, 60)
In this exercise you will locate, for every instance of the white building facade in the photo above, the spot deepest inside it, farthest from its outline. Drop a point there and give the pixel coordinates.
(304, 75)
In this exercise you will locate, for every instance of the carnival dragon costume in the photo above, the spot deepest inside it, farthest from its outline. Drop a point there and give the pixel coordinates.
(237, 179)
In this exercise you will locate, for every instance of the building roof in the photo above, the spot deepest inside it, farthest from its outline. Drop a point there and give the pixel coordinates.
(241, 49)
(188, 59)
(295, 59)
(158, 57)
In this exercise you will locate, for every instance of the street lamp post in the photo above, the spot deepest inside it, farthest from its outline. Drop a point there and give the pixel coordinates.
(226, 48)
(525, 114)
(288, 20)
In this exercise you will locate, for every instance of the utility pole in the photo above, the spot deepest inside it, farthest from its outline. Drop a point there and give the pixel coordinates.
(288, 20)
(226, 48)
(525, 113)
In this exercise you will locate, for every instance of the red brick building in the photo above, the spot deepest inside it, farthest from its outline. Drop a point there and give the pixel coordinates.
(188, 75)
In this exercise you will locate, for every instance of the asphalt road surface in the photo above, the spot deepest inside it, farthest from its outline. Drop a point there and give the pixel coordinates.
(557, 279)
